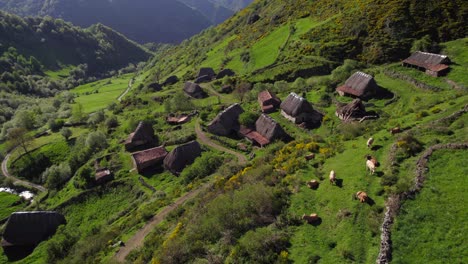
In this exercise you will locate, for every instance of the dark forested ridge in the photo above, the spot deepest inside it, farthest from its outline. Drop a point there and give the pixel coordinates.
(216, 13)
(144, 21)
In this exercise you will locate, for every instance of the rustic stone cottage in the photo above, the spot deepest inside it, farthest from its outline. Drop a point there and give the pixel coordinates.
(266, 131)
(143, 135)
(433, 64)
(298, 110)
(194, 90)
(360, 85)
(226, 123)
(268, 101)
(182, 156)
(148, 158)
(30, 228)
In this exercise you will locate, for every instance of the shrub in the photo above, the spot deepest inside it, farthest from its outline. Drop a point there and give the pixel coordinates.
(202, 167)
(56, 175)
(248, 119)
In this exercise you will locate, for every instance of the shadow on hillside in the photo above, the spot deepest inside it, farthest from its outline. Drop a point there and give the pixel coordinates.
(339, 183)
(150, 172)
(16, 253)
(376, 147)
(379, 173)
(382, 93)
(317, 222)
(370, 201)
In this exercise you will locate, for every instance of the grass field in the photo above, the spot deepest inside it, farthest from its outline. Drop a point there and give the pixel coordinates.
(61, 74)
(9, 203)
(432, 228)
(98, 95)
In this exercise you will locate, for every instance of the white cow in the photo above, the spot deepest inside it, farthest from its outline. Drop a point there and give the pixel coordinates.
(332, 177)
(370, 141)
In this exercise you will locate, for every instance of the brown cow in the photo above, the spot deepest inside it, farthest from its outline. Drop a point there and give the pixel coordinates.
(362, 196)
(312, 218)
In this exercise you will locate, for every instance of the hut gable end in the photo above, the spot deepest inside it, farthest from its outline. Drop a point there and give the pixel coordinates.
(226, 122)
(358, 85)
(269, 128)
(144, 134)
(182, 156)
(268, 101)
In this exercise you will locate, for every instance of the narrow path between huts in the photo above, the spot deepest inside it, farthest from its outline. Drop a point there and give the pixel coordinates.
(205, 140)
(138, 239)
(17, 181)
(130, 84)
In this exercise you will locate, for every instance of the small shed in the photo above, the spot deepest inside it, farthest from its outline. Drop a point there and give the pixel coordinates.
(194, 90)
(31, 228)
(182, 156)
(351, 111)
(143, 135)
(360, 85)
(226, 123)
(433, 64)
(148, 158)
(171, 80)
(224, 73)
(298, 110)
(269, 128)
(103, 175)
(268, 101)
(206, 71)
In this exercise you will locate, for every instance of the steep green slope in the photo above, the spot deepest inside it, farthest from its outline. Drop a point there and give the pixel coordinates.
(304, 38)
(144, 21)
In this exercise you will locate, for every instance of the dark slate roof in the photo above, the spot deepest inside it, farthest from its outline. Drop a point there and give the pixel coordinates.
(295, 105)
(31, 228)
(155, 86)
(358, 84)
(206, 71)
(430, 61)
(171, 80)
(144, 132)
(192, 88)
(226, 121)
(182, 156)
(355, 109)
(224, 73)
(144, 156)
(269, 128)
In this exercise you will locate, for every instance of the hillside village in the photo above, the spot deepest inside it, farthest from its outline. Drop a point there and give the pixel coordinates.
(231, 159)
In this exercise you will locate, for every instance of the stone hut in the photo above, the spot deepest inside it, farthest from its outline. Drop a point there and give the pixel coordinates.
(148, 158)
(266, 131)
(360, 85)
(298, 110)
(206, 72)
(30, 228)
(143, 135)
(171, 80)
(268, 101)
(194, 90)
(226, 123)
(182, 156)
(433, 64)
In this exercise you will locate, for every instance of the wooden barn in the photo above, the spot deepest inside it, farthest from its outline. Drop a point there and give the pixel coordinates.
(268, 101)
(143, 135)
(433, 64)
(298, 110)
(194, 90)
(182, 156)
(148, 158)
(226, 123)
(360, 85)
(30, 228)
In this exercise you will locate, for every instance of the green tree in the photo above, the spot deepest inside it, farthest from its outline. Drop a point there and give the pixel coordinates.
(96, 141)
(66, 133)
(56, 175)
(18, 136)
(248, 119)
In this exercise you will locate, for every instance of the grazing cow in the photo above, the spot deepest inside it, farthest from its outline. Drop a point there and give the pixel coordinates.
(313, 184)
(310, 156)
(312, 218)
(395, 130)
(370, 141)
(371, 164)
(362, 196)
(332, 177)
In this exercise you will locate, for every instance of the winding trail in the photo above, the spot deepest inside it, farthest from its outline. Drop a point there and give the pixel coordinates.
(17, 181)
(205, 140)
(138, 239)
(129, 87)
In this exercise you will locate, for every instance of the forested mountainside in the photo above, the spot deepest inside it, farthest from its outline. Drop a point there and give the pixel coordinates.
(165, 21)
(303, 37)
(216, 13)
(30, 47)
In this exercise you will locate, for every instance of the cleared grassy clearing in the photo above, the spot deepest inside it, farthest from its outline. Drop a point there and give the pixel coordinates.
(9, 203)
(432, 227)
(61, 74)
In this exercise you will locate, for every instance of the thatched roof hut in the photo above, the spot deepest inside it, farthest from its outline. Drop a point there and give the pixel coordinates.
(31, 228)
(182, 156)
(171, 80)
(298, 110)
(194, 90)
(433, 64)
(268, 101)
(224, 73)
(361, 85)
(206, 71)
(269, 128)
(351, 111)
(148, 158)
(227, 122)
(203, 79)
(144, 134)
